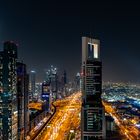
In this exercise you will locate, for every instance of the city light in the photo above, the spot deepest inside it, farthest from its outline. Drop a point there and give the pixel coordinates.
(55, 110)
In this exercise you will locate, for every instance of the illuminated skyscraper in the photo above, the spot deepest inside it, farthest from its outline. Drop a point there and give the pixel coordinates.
(77, 81)
(32, 85)
(54, 82)
(38, 90)
(92, 114)
(8, 92)
(22, 99)
(52, 78)
(46, 95)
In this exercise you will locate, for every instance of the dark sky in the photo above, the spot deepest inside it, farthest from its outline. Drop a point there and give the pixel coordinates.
(49, 32)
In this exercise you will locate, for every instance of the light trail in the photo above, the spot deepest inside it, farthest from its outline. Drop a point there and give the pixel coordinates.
(65, 118)
(130, 132)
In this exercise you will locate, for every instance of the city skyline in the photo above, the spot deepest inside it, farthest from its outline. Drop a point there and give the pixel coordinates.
(50, 33)
(54, 111)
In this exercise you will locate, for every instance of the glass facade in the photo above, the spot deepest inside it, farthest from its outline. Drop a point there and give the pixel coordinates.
(22, 98)
(93, 82)
(32, 85)
(8, 92)
(92, 112)
(46, 93)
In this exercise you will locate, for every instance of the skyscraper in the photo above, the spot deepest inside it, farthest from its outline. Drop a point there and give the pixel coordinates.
(92, 112)
(52, 78)
(38, 90)
(8, 92)
(54, 82)
(65, 77)
(77, 81)
(22, 99)
(46, 95)
(32, 84)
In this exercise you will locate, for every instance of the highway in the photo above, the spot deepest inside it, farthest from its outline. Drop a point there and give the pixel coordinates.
(37, 129)
(129, 131)
(65, 120)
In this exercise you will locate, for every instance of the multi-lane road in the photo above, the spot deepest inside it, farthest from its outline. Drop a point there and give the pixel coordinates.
(38, 128)
(129, 131)
(65, 121)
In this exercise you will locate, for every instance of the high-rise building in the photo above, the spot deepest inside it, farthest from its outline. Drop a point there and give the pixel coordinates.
(65, 77)
(38, 90)
(77, 81)
(92, 112)
(52, 78)
(32, 84)
(22, 99)
(54, 82)
(63, 84)
(8, 92)
(46, 95)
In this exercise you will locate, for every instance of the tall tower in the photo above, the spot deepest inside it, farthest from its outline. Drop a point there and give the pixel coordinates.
(54, 82)
(92, 112)
(52, 78)
(46, 95)
(77, 81)
(8, 92)
(32, 84)
(65, 77)
(22, 99)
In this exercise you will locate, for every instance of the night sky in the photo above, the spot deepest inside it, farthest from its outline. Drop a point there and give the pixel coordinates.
(49, 32)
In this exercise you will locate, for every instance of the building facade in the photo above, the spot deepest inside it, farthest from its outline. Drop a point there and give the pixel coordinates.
(38, 90)
(32, 85)
(52, 78)
(46, 95)
(77, 81)
(8, 92)
(92, 112)
(22, 100)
